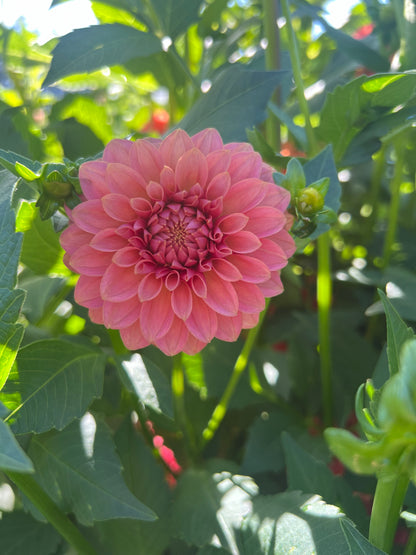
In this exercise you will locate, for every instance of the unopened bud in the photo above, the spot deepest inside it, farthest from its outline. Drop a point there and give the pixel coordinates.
(310, 201)
(57, 189)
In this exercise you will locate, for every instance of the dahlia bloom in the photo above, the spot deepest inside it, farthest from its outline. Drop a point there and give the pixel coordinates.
(178, 240)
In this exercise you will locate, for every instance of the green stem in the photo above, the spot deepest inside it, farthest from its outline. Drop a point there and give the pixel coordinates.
(52, 512)
(270, 16)
(324, 299)
(239, 367)
(410, 548)
(388, 500)
(297, 76)
(394, 204)
(178, 390)
(324, 283)
(374, 196)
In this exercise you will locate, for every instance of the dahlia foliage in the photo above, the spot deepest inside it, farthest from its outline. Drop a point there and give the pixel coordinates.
(179, 240)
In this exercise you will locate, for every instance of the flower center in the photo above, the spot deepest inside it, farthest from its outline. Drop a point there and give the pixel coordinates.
(178, 234)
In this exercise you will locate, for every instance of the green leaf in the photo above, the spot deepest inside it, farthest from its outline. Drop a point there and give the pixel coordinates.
(357, 455)
(292, 522)
(397, 334)
(79, 469)
(20, 533)
(11, 334)
(9, 160)
(223, 498)
(85, 50)
(55, 381)
(40, 292)
(10, 241)
(397, 404)
(41, 251)
(323, 165)
(176, 16)
(145, 379)
(12, 456)
(145, 478)
(311, 475)
(236, 101)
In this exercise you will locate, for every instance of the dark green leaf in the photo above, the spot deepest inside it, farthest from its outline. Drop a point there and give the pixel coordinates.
(40, 291)
(10, 333)
(310, 475)
(236, 101)
(79, 469)
(77, 139)
(294, 522)
(10, 241)
(20, 533)
(323, 165)
(85, 50)
(144, 476)
(176, 15)
(143, 377)
(12, 456)
(55, 381)
(397, 333)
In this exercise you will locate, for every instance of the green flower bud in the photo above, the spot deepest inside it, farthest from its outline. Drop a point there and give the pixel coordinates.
(57, 189)
(310, 201)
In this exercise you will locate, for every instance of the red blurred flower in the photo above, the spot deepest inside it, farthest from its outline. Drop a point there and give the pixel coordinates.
(158, 123)
(179, 240)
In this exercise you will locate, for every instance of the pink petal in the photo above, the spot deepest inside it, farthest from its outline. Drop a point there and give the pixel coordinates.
(239, 147)
(273, 286)
(126, 181)
(250, 297)
(108, 240)
(221, 295)
(90, 262)
(174, 146)
(208, 140)
(226, 270)
(193, 345)
(250, 320)
(191, 168)
(277, 196)
(175, 340)
(252, 269)
(96, 315)
(149, 287)
(218, 186)
(125, 257)
(118, 207)
(265, 220)
(133, 337)
(285, 241)
(118, 150)
(73, 237)
(141, 206)
(92, 179)
(182, 300)
(245, 165)
(172, 280)
(155, 191)
(157, 316)
(267, 173)
(218, 162)
(120, 315)
(202, 321)
(199, 286)
(87, 292)
(243, 241)
(147, 160)
(233, 223)
(119, 284)
(167, 179)
(271, 254)
(229, 328)
(243, 196)
(90, 216)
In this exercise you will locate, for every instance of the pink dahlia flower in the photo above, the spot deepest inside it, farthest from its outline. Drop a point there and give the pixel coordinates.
(178, 240)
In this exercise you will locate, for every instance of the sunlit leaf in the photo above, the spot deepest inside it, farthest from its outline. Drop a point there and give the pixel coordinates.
(80, 470)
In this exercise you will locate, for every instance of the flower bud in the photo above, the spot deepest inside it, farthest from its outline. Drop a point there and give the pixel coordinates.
(57, 189)
(310, 201)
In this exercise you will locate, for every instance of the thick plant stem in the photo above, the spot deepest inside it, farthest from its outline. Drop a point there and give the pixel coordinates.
(388, 500)
(272, 58)
(52, 512)
(178, 390)
(324, 282)
(324, 298)
(394, 204)
(239, 367)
